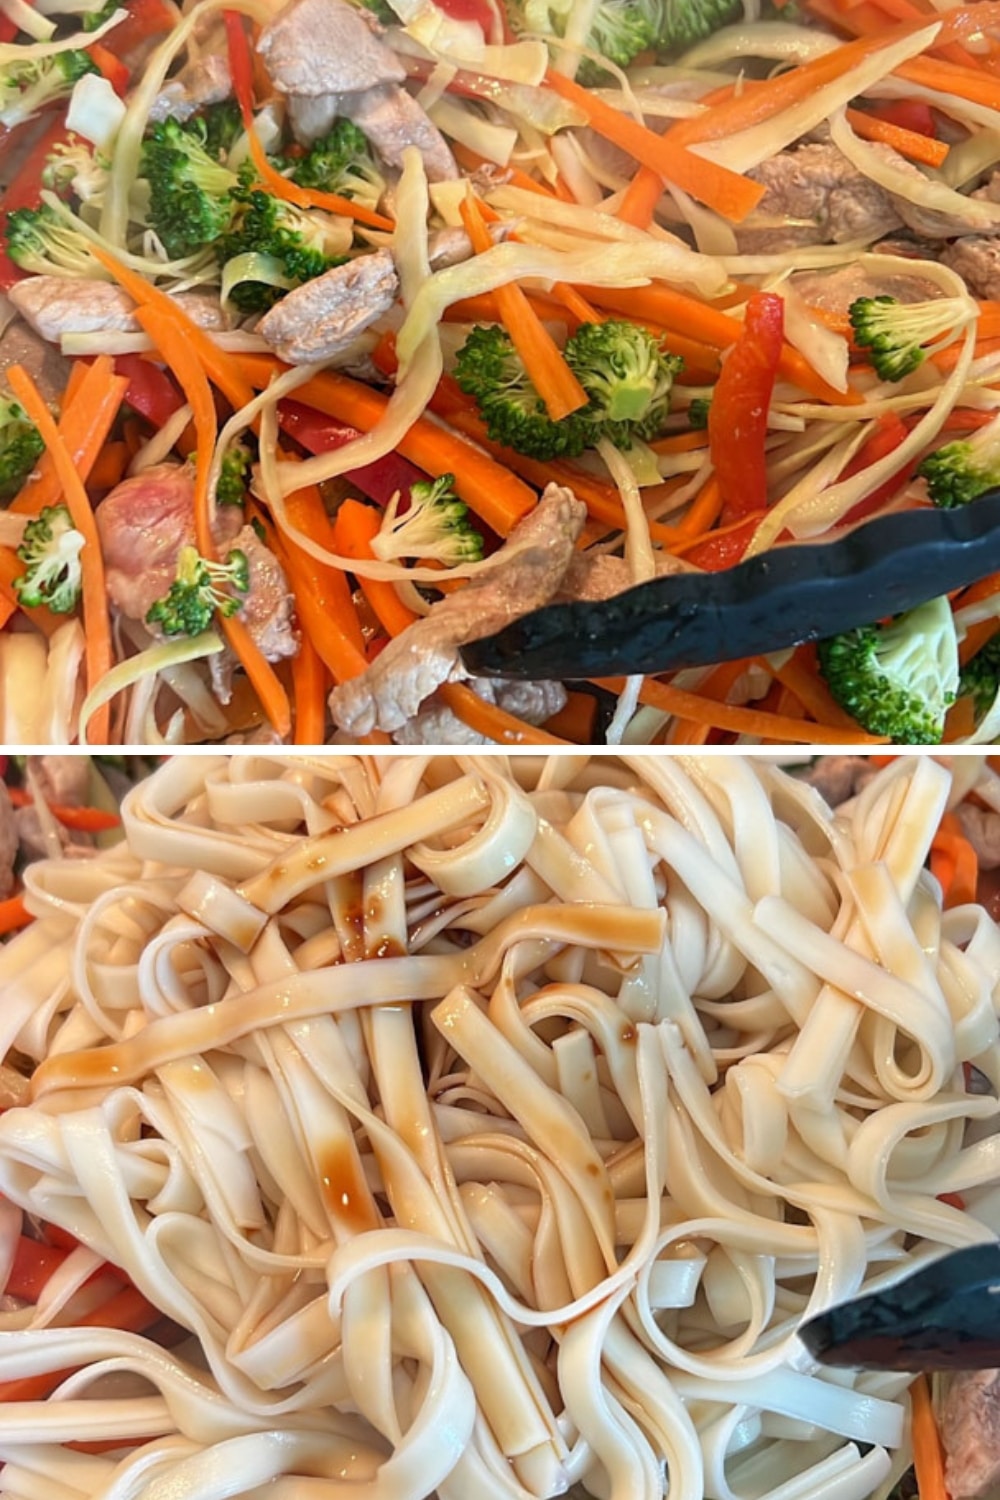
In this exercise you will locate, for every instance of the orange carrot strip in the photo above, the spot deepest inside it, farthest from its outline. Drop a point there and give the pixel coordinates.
(909, 143)
(954, 863)
(680, 442)
(497, 725)
(82, 819)
(325, 610)
(727, 192)
(92, 401)
(331, 203)
(488, 488)
(540, 354)
(307, 513)
(639, 202)
(928, 1457)
(183, 361)
(99, 651)
(109, 466)
(14, 914)
(356, 525)
(575, 720)
(800, 674)
(703, 514)
(221, 368)
(309, 682)
(739, 720)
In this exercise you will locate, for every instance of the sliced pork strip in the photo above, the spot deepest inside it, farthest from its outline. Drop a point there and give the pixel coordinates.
(970, 1432)
(200, 84)
(977, 260)
(57, 305)
(436, 724)
(8, 843)
(22, 345)
(324, 316)
(834, 291)
(407, 672)
(597, 575)
(62, 779)
(392, 120)
(981, 827)
(815, 196)
(268, 606)
(143, 523)
(319, 47)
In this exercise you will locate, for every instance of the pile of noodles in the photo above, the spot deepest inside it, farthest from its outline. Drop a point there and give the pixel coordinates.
(486, 1127)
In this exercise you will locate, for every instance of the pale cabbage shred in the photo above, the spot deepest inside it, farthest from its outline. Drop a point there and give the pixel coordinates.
(592, 246)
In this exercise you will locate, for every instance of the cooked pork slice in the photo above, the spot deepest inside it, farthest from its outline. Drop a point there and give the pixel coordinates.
(977, 260)
(55, 305)
(21, 345)
(980, 217)
(321, 47)
(838, 778)
(449, 247)
(195, 87)
(62, 779)
(815, 196)
(8, 843)
(834, 291)
(970, 1431)
(596, 575)
(267, 608)
(143, 523)
(393, 688)
(324, 316)
(392, 120)
(436, 724)
(981, 827)
(312, 115)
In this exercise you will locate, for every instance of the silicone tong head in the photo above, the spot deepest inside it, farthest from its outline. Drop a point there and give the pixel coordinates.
(946, 1316)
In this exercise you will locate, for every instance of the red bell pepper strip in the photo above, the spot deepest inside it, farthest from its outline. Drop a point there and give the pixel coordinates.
(479, 11)
(737, 419)
(889, 432)
(24, 191)
(151, 392)
(908, 114)
(145, 22)
(320, 434)
(724, 549)
(82, 819)
(240, 64)
(111, 66)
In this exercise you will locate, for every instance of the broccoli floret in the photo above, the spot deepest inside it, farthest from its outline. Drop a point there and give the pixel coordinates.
(197, 592)
(688, 21)
(74, 168)
(50, 550)
(294, 243)
(698, 410)
(895, 332)
(489, 368)
(628, 377)
(21, 447)
(435, 525)
(900, 678)
(233, 476)
(341, 162)
(963, 470)
(218, 127)
(39, 240)
(621, 29)
(95, 19)
(190, 194)
(980, 677)
(26, 87)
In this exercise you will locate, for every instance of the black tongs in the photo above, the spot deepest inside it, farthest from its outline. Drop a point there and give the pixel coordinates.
(775, 600)
(946, 1316)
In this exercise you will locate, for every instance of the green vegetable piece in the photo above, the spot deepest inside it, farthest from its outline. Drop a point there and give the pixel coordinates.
(628, 377)
(190, 194)
(688, 21)
(21, 446)
(897, 679)
(341, 162)
(980, 677)
(489, 368)
(436, 525)
(290, 236)
(39, 240)
(50, 550)
(31, 85)
(895, 332)
(198, 591)
(963, 470)
(233, 476)
(698, 411)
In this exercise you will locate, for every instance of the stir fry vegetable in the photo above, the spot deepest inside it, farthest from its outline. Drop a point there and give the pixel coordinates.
(493, 257)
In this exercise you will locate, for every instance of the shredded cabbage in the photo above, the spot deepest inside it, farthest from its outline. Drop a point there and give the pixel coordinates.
(33, 23)
(134, 668)
(18, 52)
(779, 40)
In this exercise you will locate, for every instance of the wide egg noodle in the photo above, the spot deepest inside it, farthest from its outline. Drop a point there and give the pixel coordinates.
(488, 1126)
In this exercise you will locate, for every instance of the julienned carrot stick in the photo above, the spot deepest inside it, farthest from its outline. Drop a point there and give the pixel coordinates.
(540, 354)
(727, 192)
(909, 143)
(97, 628)
(489, 489)
(928, 1458)
(703, 513)
(82, 819)
(307, 513)
(184, 363)
(14, 914)
(736, 720)
(92, 401)
(954, 863)
(497, 725)
(325, 612)
(355, 528)
(309, 683)
(221, 368)
(575, 720)
(639, 202)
